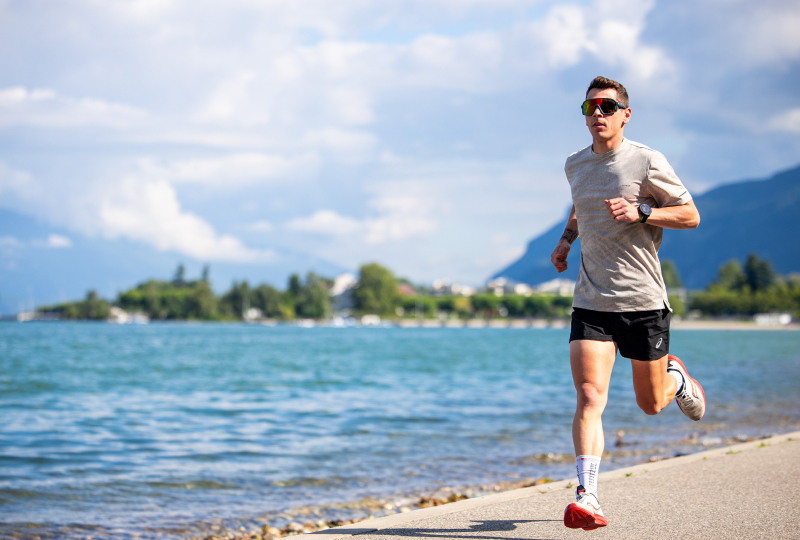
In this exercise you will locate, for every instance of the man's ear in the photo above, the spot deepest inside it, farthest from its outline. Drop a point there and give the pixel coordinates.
(627, 116)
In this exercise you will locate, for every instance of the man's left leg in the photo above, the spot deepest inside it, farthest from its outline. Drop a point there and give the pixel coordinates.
(658, 378)
(657, 382)
(654, 387)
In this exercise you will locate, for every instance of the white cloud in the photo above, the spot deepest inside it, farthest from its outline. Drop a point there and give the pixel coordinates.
(325, 222)
(260, 226)
(135, 207)
(46, 108)
(15, 181)
(346, 144)
(57, 241)
(149, 211)
(788, 121)
(227, 99)
(232, 170)
(9, 241)
(401, 216)
(397, 218)
(768, 32)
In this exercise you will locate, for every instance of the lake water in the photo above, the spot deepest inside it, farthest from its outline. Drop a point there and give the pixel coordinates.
(153, 431)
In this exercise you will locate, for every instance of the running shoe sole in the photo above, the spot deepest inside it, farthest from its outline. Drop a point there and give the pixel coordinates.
(694, 382)
(576, 517)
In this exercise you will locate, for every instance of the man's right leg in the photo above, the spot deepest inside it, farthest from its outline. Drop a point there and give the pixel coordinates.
(591, 362)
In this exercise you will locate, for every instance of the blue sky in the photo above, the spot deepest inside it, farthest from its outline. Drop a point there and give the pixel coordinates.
(265, 137)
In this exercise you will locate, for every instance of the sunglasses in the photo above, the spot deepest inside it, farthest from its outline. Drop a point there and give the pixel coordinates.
(607, 106)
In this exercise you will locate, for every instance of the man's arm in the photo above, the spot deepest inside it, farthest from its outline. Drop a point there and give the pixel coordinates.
(559, 256)
(684, 216)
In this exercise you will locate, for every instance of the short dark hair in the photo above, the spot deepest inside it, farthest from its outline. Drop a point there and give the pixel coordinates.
(601, 83)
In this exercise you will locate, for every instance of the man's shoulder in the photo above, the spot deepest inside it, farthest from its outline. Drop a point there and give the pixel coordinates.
(580, 155)
(642, 149)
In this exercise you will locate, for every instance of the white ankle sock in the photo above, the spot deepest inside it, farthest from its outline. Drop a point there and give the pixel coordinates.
(588, 468)
(678, 378)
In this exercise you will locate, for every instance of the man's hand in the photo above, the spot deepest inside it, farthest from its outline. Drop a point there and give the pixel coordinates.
(621, 210)
(559, 256)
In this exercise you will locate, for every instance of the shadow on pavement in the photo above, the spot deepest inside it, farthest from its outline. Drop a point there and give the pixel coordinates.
(468, 533)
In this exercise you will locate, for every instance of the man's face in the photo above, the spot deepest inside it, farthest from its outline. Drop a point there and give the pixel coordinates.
(606, 127)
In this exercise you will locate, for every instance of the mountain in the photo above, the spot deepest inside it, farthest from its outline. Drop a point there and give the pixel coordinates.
(751, 216)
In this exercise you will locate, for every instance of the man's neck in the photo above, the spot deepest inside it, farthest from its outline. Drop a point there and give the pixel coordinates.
(607, 145)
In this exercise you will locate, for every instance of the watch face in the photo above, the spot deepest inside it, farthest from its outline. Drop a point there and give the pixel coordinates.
(645, 209)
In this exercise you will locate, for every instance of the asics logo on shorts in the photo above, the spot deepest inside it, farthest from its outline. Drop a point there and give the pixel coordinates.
(659, 342)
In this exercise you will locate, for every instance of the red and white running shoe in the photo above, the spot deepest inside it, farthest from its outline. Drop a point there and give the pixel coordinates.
(691, 399)
(585, 513)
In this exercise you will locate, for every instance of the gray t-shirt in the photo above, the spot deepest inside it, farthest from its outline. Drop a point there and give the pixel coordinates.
(620, 270)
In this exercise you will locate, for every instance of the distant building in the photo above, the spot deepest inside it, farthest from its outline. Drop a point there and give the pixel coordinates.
(120, 316)
(772, 319)
(370, 320)
(342, 292)
(406, 290)
(342, 283)
(522, 289)
(501, 286)
(252, 315)
(497, 286)
(444, 288)
(562, 287)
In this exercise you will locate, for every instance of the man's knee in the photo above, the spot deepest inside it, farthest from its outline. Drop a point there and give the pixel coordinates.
(649, 405)
(591, 397)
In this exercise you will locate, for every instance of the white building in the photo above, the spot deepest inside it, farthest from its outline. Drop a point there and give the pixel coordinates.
(342, 292)
(442, 287)
(562, 287)
(120, 316)
(501, 286)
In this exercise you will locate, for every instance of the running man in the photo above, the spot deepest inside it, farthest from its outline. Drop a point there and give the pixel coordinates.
(623, 195)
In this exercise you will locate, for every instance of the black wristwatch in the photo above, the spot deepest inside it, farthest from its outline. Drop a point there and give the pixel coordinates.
(644, 211)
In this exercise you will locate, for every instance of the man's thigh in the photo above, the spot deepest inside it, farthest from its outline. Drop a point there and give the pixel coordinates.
(651, 381)
(591, 362)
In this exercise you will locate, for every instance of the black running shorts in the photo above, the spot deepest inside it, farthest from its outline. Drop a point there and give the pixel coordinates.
(640, 335)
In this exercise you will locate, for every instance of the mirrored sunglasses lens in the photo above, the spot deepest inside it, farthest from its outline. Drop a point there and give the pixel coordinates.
(587, 108)
(608, 106)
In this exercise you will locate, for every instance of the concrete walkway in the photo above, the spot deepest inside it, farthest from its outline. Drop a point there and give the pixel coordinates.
(744, 491)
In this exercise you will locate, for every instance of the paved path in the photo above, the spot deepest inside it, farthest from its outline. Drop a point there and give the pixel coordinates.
(744, 491)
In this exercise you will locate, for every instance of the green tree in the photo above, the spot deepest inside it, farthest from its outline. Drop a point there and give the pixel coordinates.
(755, 290)
(234, 301)
(462, 306)
(294, 286)
(204, 276)
(676, 303)
(268, 299)
(671, 277)
(758, 273)
(201, 302)
(515, 305)
(94, 307)
(312, 300)
(376, 291)
(486, 304)
(180, 274)
(730, 276)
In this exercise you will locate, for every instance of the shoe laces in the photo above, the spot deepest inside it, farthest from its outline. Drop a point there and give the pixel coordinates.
(581, 495)
(685, 395)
